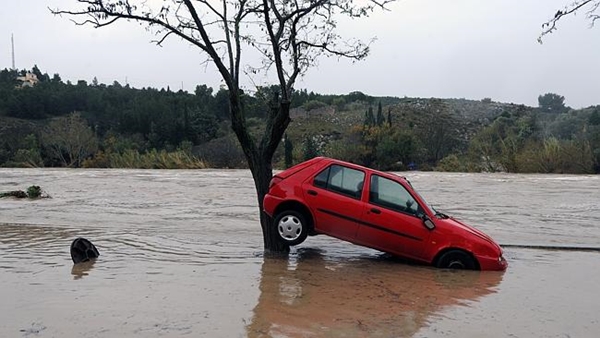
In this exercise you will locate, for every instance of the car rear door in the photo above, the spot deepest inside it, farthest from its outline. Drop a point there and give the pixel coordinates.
(334, 196)
(392, 219)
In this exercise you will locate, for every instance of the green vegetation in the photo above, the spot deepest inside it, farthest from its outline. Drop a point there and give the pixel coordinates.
(33, 191)
(552, 103)
(100, 126)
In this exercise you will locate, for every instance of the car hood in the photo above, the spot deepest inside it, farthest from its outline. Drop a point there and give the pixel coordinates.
(465, 227)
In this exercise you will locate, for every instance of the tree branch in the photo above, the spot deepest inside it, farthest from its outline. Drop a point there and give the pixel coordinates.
(358, 53)
(550, 25)
(100, 12)
(227, 77)
(228, 41)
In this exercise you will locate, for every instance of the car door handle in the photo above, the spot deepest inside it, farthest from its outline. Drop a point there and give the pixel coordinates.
(312, 192)
(376, 211)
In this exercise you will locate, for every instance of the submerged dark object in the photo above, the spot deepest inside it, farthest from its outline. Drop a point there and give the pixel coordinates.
(33, 191)
(83, 250)
(15, 193)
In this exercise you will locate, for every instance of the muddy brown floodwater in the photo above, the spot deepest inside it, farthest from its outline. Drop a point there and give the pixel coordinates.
(181, 255)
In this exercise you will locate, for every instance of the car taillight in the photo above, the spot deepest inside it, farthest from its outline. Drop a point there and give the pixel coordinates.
(274, 181)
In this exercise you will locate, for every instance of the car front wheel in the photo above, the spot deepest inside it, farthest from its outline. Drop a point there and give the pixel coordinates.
(456, 259)
(292, 227)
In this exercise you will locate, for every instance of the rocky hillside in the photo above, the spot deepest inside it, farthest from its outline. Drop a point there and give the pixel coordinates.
(469, 115)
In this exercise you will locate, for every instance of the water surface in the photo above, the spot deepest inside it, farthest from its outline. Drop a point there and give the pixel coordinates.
(181, 255)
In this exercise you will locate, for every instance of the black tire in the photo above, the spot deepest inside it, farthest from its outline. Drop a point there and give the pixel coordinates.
(456, 259)
(291, 227)
(83, 250)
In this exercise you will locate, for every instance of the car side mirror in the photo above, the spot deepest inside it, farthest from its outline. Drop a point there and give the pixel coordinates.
(428, 223)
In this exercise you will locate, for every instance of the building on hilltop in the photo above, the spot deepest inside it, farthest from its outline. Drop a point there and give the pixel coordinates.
(29, 80)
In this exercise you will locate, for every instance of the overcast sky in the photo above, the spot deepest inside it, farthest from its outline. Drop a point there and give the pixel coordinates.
(425, 48)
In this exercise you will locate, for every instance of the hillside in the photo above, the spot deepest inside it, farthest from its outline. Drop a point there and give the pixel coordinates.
(331, 122)
(53, 123)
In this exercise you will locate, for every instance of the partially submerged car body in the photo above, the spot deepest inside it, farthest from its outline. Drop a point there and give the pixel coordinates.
(373, 209)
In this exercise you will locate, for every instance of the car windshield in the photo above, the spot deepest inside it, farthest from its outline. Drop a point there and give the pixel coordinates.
(421, 197)
(437, 213)
(425, 201)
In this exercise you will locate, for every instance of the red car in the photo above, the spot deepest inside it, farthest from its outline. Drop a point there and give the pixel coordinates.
(373, 209)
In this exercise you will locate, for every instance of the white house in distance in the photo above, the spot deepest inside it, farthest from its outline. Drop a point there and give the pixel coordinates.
(29, 80)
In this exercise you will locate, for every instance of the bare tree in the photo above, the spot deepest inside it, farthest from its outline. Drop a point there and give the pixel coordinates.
(289, 34)
(588, 6)
(70, 140)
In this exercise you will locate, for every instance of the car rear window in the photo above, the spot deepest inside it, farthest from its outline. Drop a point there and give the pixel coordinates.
(340, 179)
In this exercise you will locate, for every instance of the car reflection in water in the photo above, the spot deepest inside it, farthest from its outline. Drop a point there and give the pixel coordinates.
(312, 295)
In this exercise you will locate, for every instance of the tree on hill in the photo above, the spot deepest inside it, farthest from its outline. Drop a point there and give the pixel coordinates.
(290, 36)
(551, 103)
(594, 118)
(309, 149)
(380, 118)
(369, 117)
(357, 96)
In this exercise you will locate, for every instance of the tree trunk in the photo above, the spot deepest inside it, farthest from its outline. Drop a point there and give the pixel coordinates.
(259, 160)
(262, 174)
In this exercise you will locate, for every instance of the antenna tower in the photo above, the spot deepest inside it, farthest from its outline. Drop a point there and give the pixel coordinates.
(12, 42)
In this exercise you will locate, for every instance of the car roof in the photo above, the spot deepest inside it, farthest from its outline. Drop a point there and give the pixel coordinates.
(363, 168)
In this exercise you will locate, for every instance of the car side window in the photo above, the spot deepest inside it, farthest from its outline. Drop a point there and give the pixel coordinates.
(392, 195)
(343, 180)
(321, 179)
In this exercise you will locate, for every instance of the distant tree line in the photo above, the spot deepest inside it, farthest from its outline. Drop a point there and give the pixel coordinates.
(117, 118)
(54, 123)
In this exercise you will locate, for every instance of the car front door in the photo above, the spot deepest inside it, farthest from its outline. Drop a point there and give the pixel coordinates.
(392, 219)
(334, 197)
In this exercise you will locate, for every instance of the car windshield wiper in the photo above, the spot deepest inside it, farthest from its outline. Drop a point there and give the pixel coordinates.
(440, 214)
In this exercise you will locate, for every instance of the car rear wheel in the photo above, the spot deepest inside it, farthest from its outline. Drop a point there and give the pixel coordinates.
(292, 227)
(456, 259)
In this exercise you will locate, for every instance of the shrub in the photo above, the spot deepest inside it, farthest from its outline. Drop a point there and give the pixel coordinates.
(152, 159)
(224, 152)
(34, 191)
(450, 163)
(313, 104)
